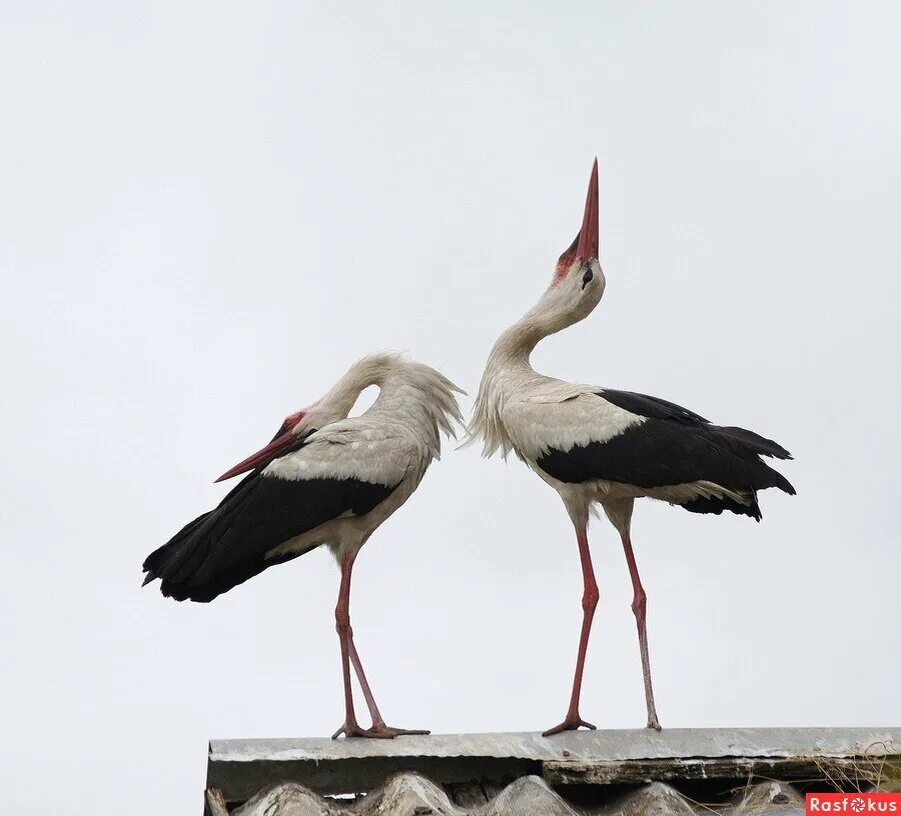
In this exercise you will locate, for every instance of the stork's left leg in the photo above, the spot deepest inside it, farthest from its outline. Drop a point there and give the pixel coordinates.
(639, 608)
(349, 656)
(350, 728)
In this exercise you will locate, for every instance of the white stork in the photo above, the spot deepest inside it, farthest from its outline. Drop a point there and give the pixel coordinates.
(595, 444)
(323, 479)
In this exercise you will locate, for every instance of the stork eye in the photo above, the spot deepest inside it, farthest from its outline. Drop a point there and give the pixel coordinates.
(587, 277)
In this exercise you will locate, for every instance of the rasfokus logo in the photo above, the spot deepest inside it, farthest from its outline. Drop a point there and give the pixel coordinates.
(853, 803)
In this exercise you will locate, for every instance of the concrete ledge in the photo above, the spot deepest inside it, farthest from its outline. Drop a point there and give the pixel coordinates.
(239, 769)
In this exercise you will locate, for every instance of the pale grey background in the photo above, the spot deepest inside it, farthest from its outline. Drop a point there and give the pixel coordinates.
(209, 210)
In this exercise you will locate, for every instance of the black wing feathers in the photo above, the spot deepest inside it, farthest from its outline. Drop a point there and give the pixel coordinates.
(651, 407)
(674, 446)
(656, 408)
(228, 545)
(759, 444)
(717, 505)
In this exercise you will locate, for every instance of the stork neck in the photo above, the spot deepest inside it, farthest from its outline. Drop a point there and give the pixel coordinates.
(508, 365)
(515, 346)
(343, 395)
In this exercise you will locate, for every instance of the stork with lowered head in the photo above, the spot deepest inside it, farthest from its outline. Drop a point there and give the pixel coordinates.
(325, 478)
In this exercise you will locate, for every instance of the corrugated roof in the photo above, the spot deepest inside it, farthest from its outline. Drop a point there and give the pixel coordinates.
(414, 795)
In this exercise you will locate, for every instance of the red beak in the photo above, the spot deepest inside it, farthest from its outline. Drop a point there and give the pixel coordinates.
(588, 235)
(261, 457)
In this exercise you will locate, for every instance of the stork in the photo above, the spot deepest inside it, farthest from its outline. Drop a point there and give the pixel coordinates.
(323, 479)
(594, 444)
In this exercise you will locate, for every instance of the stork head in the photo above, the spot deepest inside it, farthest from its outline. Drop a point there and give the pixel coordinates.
(334, 406)
(289, 434)
(578, 282)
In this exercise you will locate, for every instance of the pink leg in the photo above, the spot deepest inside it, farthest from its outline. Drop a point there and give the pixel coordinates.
(351, 728)
(364, 684)
(379, 728)
(639, 608)
(573, 720)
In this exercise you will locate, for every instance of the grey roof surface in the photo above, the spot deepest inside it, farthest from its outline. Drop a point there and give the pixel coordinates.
(587, 772)
(619, 744)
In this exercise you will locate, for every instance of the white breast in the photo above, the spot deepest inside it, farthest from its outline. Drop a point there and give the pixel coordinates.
(535, 424)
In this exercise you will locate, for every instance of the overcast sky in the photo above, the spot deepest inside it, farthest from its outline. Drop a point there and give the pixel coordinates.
(209, 210)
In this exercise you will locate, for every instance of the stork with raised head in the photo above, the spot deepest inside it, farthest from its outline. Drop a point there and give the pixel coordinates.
(323, 479)
(594, 444)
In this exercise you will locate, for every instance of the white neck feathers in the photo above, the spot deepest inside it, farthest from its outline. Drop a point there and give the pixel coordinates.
(411, 394)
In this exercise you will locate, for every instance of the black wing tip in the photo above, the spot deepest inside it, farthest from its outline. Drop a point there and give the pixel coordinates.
(716, 505)
(779, 481)
(167, 589)
(179, 592)
(774, 450)
(751, 441)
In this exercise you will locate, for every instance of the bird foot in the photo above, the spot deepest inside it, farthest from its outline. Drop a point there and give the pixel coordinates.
(378, 731)
(389, 731)
(654, 725)
(354, 730)
(569, 724)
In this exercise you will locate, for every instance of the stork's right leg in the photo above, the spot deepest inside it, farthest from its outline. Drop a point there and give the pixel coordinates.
(573, 720)
(379, 727)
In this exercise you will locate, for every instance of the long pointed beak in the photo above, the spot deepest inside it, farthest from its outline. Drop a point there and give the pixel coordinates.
(588, 234)
(261, 457)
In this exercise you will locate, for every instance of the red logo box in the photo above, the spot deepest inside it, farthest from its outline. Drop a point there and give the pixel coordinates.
(853, 804)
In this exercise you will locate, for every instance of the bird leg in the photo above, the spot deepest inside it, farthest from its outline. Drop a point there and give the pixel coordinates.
(351, 727)
(379, 728)
(573, 720)
(639, 608)
(349, 656)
